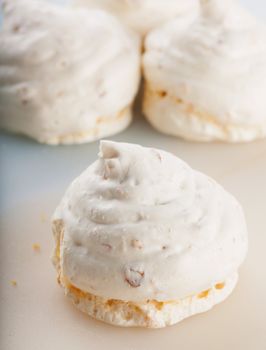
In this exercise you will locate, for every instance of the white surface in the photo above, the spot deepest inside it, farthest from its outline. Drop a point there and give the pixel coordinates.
(35, 314)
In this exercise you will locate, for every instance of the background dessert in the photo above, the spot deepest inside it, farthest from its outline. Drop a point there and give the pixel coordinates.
(205, 79)
(66, 75)
(143, 15)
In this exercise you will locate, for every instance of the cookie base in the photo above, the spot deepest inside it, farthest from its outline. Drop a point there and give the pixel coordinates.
(150, 314)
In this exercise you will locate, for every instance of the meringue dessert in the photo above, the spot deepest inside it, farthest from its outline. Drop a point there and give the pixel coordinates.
(205, 79)
(144, 240)
(66, 75)
(143, 15)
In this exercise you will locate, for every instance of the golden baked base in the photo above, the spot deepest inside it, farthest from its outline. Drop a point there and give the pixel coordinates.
(149, 314)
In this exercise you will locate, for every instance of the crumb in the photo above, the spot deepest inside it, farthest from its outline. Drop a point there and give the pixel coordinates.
(60, 93)
(43, 217)
(13, 283)
(24, 101)
(162, 93)
(16, 28)
(36, 247)
(63, 64)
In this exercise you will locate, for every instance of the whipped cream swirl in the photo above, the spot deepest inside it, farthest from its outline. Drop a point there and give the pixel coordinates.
(140, 224)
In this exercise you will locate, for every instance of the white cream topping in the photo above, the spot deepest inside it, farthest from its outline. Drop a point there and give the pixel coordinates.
(140, 224)
(65, 71)
(217, 64)
(143, 15)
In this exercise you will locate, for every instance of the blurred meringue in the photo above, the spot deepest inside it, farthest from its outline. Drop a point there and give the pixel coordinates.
(144, 15)
(205, 79)
(66, 75)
